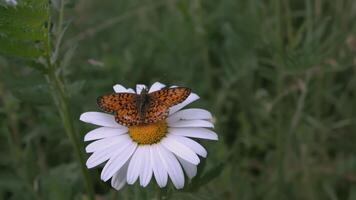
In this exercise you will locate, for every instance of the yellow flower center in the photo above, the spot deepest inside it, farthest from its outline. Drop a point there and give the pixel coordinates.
(148, 133)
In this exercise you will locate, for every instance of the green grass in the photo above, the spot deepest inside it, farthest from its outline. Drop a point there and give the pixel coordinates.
(278, 76)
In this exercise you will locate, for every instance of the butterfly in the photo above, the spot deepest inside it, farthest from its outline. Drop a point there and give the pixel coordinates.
(132, 109)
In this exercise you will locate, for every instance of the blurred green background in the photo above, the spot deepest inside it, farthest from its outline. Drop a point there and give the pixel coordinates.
(279, 77)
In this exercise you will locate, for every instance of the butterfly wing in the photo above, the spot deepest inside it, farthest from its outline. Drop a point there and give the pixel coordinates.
(170, 96)
(124, 105)
(156, 111)
(162, 100)
(128, 115)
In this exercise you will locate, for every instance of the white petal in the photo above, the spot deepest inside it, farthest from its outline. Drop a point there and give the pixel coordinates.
(191, 144)
(139, 88)
(134, 166)
(192, 97)
(189, 168)
(192, 123)
(107, 142)
(180, 150)
(146, 170)
(172, 166)
(156, 86)
(192, 113)
(129, 90)
(194, 133)
(104, 132)
(119, 88)
(101, 156)
(117, 161)
(159, 171)
(100, 119)
(119, 179)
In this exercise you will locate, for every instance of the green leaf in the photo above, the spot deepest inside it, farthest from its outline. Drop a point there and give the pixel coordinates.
(24, 29)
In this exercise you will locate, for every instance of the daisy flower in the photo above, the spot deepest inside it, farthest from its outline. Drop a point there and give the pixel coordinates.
(160, 150)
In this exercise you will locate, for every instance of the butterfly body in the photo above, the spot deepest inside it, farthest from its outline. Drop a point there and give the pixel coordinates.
(132, 109)
(142, 103)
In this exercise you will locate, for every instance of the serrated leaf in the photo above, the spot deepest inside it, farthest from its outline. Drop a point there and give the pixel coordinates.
(23, 29)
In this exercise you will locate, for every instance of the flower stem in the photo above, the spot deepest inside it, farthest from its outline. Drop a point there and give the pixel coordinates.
(61, 100)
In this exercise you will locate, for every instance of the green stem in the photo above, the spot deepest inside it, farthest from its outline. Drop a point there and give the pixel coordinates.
(61, 100)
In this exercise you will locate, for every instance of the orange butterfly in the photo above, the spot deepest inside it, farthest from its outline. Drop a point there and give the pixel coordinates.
(132, 109)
